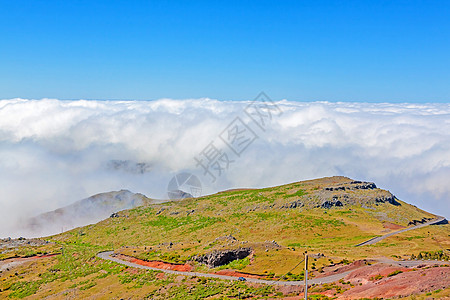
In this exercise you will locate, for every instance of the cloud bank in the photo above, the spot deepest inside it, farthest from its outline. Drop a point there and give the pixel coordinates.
(55, 152)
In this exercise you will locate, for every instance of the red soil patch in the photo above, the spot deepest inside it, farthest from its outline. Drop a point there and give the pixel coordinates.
(393, 226)
(364, 274)
(341, 268)
(403, 284)
(156, 264)
(182, 267)
(297, 290)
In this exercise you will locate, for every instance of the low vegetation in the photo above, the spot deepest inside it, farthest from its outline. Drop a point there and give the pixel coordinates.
(279, 224)
(431, 255)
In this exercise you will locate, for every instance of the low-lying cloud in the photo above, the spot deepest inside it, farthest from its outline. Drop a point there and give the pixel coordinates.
(54, 152)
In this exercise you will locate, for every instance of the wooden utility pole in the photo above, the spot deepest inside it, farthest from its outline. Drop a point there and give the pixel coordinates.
(306, 275)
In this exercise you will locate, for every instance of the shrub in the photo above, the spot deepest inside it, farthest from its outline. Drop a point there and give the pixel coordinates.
(433, 255)
(377, 277)
(394, 273)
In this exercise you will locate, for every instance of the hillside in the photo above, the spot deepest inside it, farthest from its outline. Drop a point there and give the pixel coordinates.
(83, 212)
(269, 229)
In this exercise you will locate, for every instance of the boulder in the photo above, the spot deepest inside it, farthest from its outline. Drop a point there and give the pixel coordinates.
(330, 203)
(218, 258)
(387, 198)
(354, 185)
(114, 215)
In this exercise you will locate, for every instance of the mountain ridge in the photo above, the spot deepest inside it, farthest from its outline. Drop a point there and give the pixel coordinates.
(85, 211)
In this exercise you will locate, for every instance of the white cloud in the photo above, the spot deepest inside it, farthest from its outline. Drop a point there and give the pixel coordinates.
(55, 152)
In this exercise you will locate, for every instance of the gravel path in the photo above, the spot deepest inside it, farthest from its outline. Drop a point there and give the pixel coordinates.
(379, 238)
(328, 279)
(411, 263)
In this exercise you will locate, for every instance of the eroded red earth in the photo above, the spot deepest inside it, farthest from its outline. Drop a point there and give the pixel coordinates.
(156, 264)
(411, 281)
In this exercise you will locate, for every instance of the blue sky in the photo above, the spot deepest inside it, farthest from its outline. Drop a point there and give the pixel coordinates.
(374, 51)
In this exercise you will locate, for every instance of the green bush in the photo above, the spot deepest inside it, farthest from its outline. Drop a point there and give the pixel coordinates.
(433, 255)
(394, 273)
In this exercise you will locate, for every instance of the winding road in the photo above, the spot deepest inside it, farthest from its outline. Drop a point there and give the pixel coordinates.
(327, 279)
(379, 238)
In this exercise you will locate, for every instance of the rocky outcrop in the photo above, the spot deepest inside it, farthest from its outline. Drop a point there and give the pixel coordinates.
(362, 185)
(330, 204)
(442, 222)
(334, 201)
(271, 245)
(316, 256)
(218, 258)
(363, 194)
(387, 198)
(354, 185)
(293, 204)
(417, 222)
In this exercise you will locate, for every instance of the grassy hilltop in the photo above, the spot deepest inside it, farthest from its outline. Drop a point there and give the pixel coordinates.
(328, 216)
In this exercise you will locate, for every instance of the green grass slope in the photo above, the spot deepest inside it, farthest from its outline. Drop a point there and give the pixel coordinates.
(328, 216)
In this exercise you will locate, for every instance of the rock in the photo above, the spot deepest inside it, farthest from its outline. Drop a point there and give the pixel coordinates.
(327, 204)
(363, 185)
(271, 245)
(114, 215)
(338, 188)
(330, 203)
(443, 222)
(317, 256)
(218, 258)
(292, 205)
(160, 211)
(354, 185)
(387, 198)
(416, 222)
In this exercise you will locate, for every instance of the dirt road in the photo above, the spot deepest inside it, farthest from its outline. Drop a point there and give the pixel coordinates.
(335, 277)
(379, 238)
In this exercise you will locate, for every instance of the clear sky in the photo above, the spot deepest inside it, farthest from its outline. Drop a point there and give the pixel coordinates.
(378, 51)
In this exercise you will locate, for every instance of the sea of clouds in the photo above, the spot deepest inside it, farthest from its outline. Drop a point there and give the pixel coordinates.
(55, 152)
